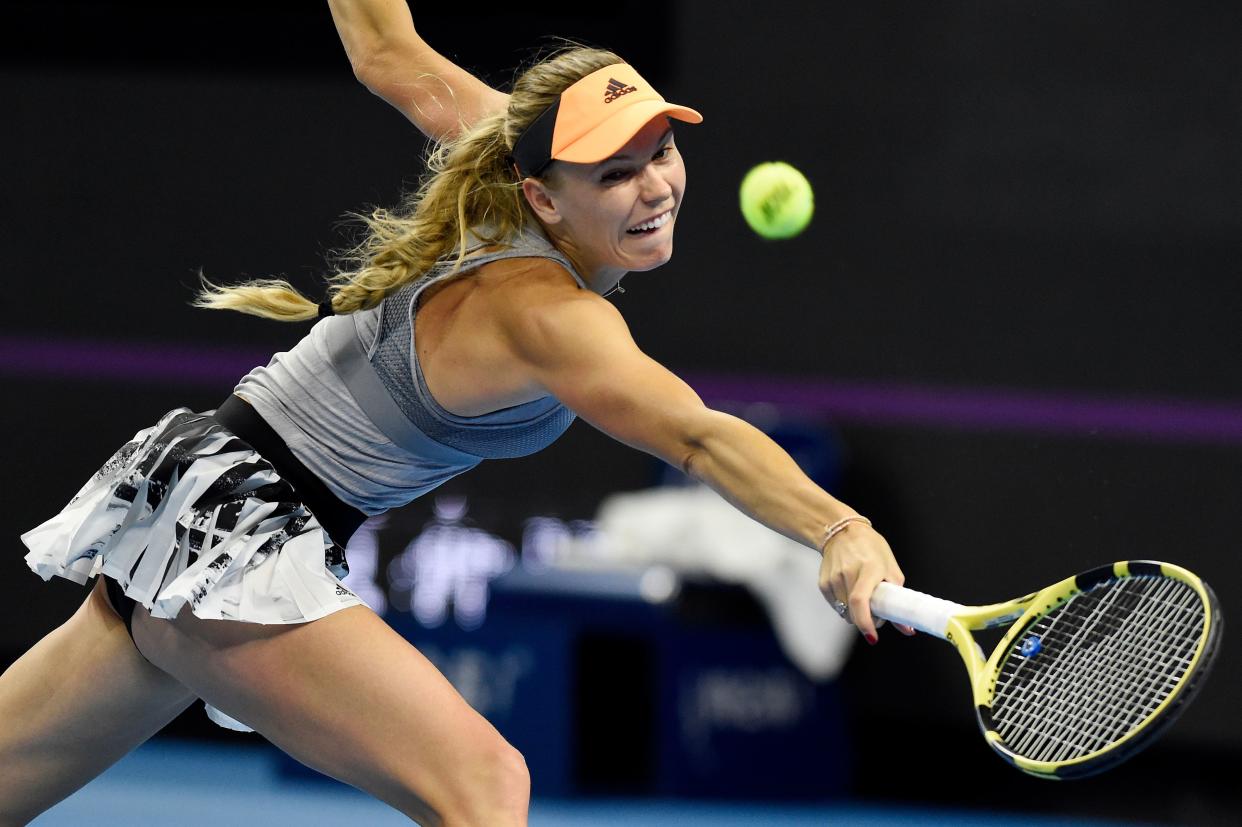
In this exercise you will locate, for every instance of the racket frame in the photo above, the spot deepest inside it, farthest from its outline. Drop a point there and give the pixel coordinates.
(955, 623)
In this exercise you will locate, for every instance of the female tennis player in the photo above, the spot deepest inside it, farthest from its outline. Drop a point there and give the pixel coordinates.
(472, 325)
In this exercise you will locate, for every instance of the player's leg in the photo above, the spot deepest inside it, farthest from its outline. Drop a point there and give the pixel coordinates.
(78, 701)
(348, 696)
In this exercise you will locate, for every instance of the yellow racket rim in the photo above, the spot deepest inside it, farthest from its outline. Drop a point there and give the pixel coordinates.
(1044, 601)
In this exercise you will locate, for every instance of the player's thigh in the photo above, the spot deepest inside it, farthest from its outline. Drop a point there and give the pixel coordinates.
(78, 701)
(348, 696)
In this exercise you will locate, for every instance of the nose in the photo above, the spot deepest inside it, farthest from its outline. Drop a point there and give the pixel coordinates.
(655, 188)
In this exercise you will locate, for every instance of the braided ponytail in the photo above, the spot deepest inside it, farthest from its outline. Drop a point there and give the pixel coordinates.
(470, 186)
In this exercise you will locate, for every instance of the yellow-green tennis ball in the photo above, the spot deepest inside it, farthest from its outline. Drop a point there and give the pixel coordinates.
(776, 199)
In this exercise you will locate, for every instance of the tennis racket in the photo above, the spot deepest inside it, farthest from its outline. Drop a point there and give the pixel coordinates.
(1091, 671)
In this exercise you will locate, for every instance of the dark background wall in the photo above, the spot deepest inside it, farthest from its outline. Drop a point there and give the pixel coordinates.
(1038, 199)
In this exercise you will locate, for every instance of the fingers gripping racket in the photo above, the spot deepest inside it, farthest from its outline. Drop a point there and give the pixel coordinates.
(1092, 669)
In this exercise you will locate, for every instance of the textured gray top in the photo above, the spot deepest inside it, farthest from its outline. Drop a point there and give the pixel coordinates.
(351, 401)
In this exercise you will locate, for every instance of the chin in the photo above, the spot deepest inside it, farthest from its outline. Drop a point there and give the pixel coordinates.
(655, 265)
(658, 259)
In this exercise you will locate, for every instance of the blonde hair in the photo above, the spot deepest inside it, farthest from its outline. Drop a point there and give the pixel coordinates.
(470, 185)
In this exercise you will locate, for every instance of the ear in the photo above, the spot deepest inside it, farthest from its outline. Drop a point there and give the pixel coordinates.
(541, 201)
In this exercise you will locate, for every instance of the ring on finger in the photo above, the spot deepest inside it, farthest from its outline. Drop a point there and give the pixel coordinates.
(839, 607)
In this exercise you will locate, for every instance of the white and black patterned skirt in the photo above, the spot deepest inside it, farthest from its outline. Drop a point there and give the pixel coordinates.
(187, 513)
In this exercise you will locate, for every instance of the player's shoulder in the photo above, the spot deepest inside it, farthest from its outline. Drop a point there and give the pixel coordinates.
(531, 286)
(541, 306)
(519, 273)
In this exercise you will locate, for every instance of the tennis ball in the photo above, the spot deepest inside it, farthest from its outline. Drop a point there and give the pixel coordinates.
(776, 200)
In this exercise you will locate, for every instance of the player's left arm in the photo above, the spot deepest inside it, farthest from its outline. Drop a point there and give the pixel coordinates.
(580, 350)
(391, 59)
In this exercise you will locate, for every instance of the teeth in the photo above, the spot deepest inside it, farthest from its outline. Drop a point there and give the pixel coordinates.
(658, 221)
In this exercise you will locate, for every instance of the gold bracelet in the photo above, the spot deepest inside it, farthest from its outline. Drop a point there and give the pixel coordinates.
(840, 525)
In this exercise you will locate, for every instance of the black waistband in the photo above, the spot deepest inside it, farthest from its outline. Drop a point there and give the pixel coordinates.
(339, 519)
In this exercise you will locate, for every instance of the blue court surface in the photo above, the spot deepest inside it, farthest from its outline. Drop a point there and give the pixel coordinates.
(175, 782)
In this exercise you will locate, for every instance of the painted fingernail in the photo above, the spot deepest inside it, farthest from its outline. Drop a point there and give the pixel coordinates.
(872, 639)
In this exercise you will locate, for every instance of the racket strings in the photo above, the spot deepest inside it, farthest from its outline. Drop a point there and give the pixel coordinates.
(1102, 704)
(1105, 661)
(1095, 723)
(1109, 700)
(1110, 707)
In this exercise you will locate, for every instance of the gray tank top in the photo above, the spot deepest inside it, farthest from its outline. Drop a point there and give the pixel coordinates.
(351, 401)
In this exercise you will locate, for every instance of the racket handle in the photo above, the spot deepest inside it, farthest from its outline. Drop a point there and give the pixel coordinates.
(922, 611)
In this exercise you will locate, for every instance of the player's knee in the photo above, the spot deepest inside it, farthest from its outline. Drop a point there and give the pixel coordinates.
(495, 791)
(512, 779)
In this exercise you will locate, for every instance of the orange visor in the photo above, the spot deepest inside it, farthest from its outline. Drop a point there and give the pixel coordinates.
(593, 119)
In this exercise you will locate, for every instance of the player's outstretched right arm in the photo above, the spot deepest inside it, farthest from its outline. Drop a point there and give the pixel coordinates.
(391, 59)
(579, 349)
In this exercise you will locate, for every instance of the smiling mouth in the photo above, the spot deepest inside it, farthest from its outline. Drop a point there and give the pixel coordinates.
(650, 226)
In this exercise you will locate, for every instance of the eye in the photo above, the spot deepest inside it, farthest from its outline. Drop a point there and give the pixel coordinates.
(664, 153)
(615, 176)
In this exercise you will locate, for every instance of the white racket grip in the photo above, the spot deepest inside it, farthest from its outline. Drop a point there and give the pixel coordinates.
(922, 611)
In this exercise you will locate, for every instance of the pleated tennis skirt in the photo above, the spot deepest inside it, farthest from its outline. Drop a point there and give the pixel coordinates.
(188, 514)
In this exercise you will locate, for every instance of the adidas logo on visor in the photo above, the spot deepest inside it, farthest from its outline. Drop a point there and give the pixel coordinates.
(616, 89)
